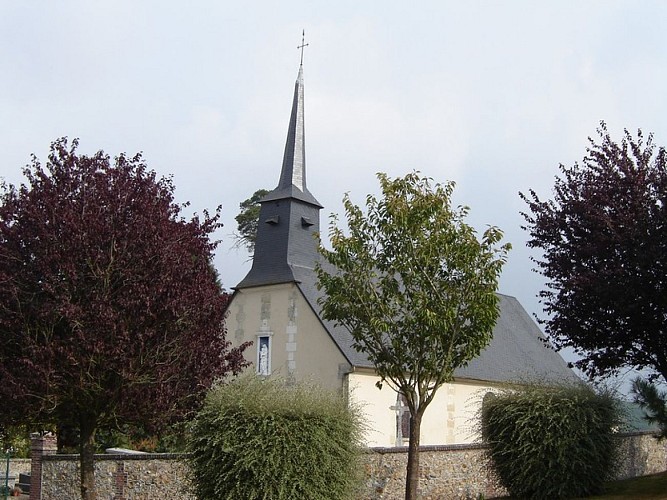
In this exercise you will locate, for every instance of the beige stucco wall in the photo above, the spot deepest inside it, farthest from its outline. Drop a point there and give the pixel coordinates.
(449, 419)
(300, 346)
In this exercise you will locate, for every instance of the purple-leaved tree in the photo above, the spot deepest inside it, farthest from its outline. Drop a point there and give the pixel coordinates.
(109, 307)
(604, 242)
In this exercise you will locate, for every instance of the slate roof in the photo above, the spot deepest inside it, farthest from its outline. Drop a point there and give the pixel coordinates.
(292, 183)
(285, 240)
(517, 352)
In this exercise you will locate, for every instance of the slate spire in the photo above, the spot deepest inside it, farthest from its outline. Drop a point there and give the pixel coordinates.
(289, 215)
(294, 159)
(292, 183)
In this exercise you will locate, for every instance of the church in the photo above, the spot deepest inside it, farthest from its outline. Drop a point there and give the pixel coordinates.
(276, 308)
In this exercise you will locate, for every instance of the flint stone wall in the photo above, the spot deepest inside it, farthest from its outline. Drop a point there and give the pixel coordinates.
(641, 454)
(453, 472)
(16, 466)
(151, 476)
(464, 471)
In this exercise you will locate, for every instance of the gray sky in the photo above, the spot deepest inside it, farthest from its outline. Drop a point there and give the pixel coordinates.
(492, 95)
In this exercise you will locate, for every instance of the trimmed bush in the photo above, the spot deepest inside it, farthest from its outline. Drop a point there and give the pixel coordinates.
(551, 442)
(266, 439)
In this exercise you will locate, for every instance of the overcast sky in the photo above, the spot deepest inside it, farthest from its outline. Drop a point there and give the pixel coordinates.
(491, 95)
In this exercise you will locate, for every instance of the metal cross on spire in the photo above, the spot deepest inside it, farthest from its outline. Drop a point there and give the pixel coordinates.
(303, 39)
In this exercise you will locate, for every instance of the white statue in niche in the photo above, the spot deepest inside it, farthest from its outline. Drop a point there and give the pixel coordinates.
(263, 358)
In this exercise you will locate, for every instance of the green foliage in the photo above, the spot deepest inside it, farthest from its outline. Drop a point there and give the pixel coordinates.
(171, 439)
(415, 287)
(16, 438)
(552, 442)
(413, 284)
(653, 402)
(267, 439)
(248, 218)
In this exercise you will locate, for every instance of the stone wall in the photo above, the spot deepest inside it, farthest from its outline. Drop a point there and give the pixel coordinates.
(463, 471)
(119, 477)
(641, 455)
(454, 472)
(16, 466)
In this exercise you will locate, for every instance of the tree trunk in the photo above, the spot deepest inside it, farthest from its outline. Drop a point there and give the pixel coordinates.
(412, 475)
(87, 459)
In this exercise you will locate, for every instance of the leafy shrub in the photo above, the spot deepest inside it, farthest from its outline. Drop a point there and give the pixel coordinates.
(266, 439)
(551, 442)
(16, 439)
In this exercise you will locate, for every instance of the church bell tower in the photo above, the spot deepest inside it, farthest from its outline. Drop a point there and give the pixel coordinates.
(289, 215)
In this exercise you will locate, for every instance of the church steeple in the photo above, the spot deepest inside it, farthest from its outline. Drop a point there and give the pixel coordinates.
(290, 214)
(292, 183)
(294, 159)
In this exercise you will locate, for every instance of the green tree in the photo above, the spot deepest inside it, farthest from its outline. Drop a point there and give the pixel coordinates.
(654, 403)
(247, 219)
(415, 287)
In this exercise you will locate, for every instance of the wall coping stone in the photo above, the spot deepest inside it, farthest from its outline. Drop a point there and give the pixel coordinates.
(473, 446)
(370, 450)
(118, 457)
(648, 432)
(427, 448)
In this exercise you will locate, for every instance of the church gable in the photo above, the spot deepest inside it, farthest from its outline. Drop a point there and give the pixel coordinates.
(288, 338)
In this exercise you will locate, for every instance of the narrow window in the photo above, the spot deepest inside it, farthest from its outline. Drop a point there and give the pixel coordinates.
(402, 420)
(405, 420)
(264, 355)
